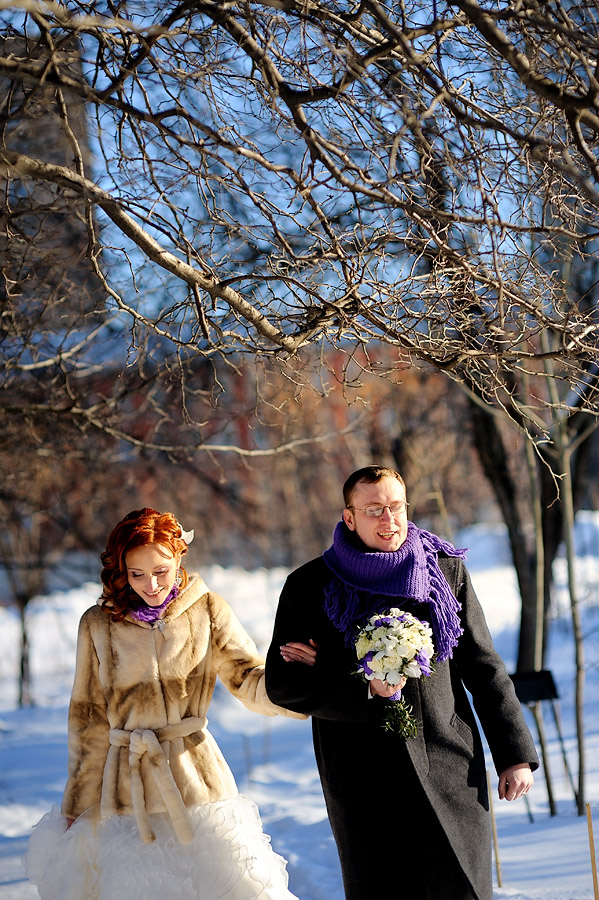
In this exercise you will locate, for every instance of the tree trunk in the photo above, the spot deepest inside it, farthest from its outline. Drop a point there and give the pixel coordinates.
(24, 670)
(490, 448)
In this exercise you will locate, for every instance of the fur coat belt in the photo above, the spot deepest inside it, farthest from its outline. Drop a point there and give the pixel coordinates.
(144, 740)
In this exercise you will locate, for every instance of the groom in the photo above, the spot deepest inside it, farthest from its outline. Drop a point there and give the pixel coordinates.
(408, 814)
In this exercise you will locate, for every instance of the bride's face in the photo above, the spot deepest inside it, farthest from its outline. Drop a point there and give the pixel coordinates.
(151, 572)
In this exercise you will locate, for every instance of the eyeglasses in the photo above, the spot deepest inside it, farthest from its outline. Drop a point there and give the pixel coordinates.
(375, 512)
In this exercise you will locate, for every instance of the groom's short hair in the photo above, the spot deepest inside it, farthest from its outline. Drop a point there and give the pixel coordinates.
(369, 475)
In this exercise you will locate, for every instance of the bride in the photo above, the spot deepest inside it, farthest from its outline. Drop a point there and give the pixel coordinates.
(151, 808)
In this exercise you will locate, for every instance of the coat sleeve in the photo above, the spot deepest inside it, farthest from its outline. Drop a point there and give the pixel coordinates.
(485, 677)
(238, 663)
(88, 728)
(330, 689)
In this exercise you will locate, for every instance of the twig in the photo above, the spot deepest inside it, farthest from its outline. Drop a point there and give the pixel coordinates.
(592, 849)
(494, 827)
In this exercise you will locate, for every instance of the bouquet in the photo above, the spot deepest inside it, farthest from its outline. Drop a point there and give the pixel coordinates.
(390, 646)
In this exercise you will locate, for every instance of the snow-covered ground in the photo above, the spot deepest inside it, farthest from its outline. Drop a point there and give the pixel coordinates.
(540, 857)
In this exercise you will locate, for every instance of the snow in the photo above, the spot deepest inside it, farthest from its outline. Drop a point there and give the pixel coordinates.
(540, 857)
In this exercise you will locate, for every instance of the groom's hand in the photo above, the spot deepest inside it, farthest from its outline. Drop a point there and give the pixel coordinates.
(381, 689)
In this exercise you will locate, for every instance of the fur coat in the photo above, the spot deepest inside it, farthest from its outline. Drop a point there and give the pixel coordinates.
(400, 806)
(138, 741)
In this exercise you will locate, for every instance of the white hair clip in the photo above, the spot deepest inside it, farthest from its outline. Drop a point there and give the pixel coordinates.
(186, 536)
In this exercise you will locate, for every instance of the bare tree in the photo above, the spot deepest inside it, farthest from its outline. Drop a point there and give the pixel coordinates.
(49, 502)
(270, 177)
(267, 175)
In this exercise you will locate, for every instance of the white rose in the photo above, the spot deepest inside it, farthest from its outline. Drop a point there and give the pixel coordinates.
(376, 665)
(362, 646)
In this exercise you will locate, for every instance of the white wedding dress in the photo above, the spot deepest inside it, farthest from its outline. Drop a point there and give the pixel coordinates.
(230, 858)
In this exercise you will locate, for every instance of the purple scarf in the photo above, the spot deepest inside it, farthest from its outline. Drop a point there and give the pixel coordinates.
(363, 580)
(147, 613)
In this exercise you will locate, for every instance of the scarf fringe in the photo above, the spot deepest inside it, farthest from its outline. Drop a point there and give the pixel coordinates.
(343, 606)
(444, 605)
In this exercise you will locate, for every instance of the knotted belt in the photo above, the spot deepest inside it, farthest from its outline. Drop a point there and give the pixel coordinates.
(145, 740)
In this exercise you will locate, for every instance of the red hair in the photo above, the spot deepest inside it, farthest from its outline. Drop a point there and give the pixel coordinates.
(138, 528)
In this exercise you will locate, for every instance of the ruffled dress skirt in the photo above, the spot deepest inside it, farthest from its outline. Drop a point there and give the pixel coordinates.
(230, 858)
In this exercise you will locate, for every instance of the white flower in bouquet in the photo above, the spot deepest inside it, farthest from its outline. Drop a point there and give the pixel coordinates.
(392, 646)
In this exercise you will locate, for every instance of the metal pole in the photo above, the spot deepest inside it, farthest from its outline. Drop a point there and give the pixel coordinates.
(538, 716)
(560, 735)
(528, 809)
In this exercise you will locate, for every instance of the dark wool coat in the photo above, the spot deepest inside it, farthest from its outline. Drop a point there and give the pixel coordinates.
(401, 806)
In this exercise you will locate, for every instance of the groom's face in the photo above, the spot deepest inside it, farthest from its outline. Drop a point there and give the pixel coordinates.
(387, 531)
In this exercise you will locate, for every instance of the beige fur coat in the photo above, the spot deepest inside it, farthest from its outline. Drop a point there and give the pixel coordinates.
(138, 741)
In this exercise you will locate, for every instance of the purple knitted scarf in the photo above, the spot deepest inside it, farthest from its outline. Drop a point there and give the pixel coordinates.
(363, 580)
(147, 613)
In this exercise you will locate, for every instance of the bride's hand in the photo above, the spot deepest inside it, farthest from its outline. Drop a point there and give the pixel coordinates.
(295, 651)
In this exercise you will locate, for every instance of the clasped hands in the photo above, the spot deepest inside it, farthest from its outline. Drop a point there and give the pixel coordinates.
(295, 651)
